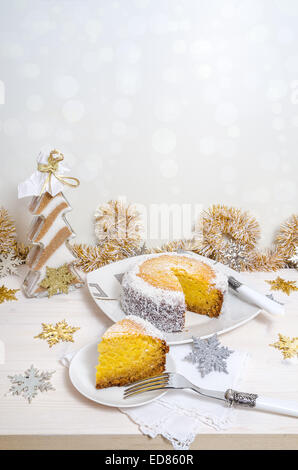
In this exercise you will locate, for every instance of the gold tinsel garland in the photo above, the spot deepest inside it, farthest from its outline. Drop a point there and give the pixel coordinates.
(8, 242)
(92, 257)
(293, 261)
(193, 244)
(229, 235)
(7, 231)
(222, 224)
(21, 251)
(118, 230)
(287, 237)
(269, 259)
(116, 221)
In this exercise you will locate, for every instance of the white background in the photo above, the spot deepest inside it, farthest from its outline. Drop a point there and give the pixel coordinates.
(162, 101)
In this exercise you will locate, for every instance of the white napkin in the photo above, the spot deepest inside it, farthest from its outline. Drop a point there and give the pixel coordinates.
(180, 415)
(33, 185)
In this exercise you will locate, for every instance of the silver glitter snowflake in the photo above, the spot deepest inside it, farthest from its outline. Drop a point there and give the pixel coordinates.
(32, 382)
(9, 264)
(208, 355)
(234, 255)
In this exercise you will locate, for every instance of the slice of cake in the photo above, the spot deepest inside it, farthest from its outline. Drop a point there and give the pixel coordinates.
(132, 349)
(163, 286)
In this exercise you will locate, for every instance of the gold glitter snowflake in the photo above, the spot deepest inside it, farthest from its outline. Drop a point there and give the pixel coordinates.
(57, 280)
(53, 334)
(7, 294)
(288, 346)
(281, 284)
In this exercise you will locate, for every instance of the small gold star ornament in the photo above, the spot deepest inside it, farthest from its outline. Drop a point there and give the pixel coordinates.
(7, 294)
(57, 280)
(281, 284)
(54, 334)
(288, 346)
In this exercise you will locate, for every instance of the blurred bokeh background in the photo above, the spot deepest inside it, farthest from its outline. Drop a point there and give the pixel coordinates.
(161, 101)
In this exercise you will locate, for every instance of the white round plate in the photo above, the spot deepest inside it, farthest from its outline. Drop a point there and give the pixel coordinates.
(82, 375)
(106, 281)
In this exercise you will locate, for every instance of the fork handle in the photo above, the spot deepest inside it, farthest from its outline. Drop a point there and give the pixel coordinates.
(251, 400)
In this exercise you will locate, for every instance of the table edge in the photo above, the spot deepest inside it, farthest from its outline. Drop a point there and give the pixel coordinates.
(133, 442)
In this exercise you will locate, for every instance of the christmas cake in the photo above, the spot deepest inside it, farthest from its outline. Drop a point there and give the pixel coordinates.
(161, 288)
(132, 349)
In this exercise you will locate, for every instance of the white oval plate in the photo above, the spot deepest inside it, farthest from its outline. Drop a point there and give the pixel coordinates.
(82, 375)
(106, 281)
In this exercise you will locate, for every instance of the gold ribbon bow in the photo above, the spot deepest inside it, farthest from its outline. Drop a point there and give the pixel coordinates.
(51, 168)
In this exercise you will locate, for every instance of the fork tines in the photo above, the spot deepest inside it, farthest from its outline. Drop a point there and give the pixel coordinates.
(152, 383)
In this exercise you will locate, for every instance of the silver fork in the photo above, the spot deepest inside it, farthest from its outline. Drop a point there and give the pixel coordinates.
(170, 380)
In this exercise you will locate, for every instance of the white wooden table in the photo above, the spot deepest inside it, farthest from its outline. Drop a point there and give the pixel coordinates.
(63, 419)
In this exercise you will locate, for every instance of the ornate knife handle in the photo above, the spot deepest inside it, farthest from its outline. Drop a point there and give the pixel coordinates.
(240, 398)
(234, 283)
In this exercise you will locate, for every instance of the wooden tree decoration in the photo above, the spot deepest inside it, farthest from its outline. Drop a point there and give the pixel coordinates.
(50, 259)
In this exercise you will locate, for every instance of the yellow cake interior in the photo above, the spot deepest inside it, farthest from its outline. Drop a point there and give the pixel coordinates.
(195, 278)
(128, 354)
(200, 296)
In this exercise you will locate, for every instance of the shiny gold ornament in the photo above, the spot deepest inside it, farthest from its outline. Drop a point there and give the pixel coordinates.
(281, 284)
(288, 346)
(7, 294)
(57, 280)
(53, 334)
(7, 231)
